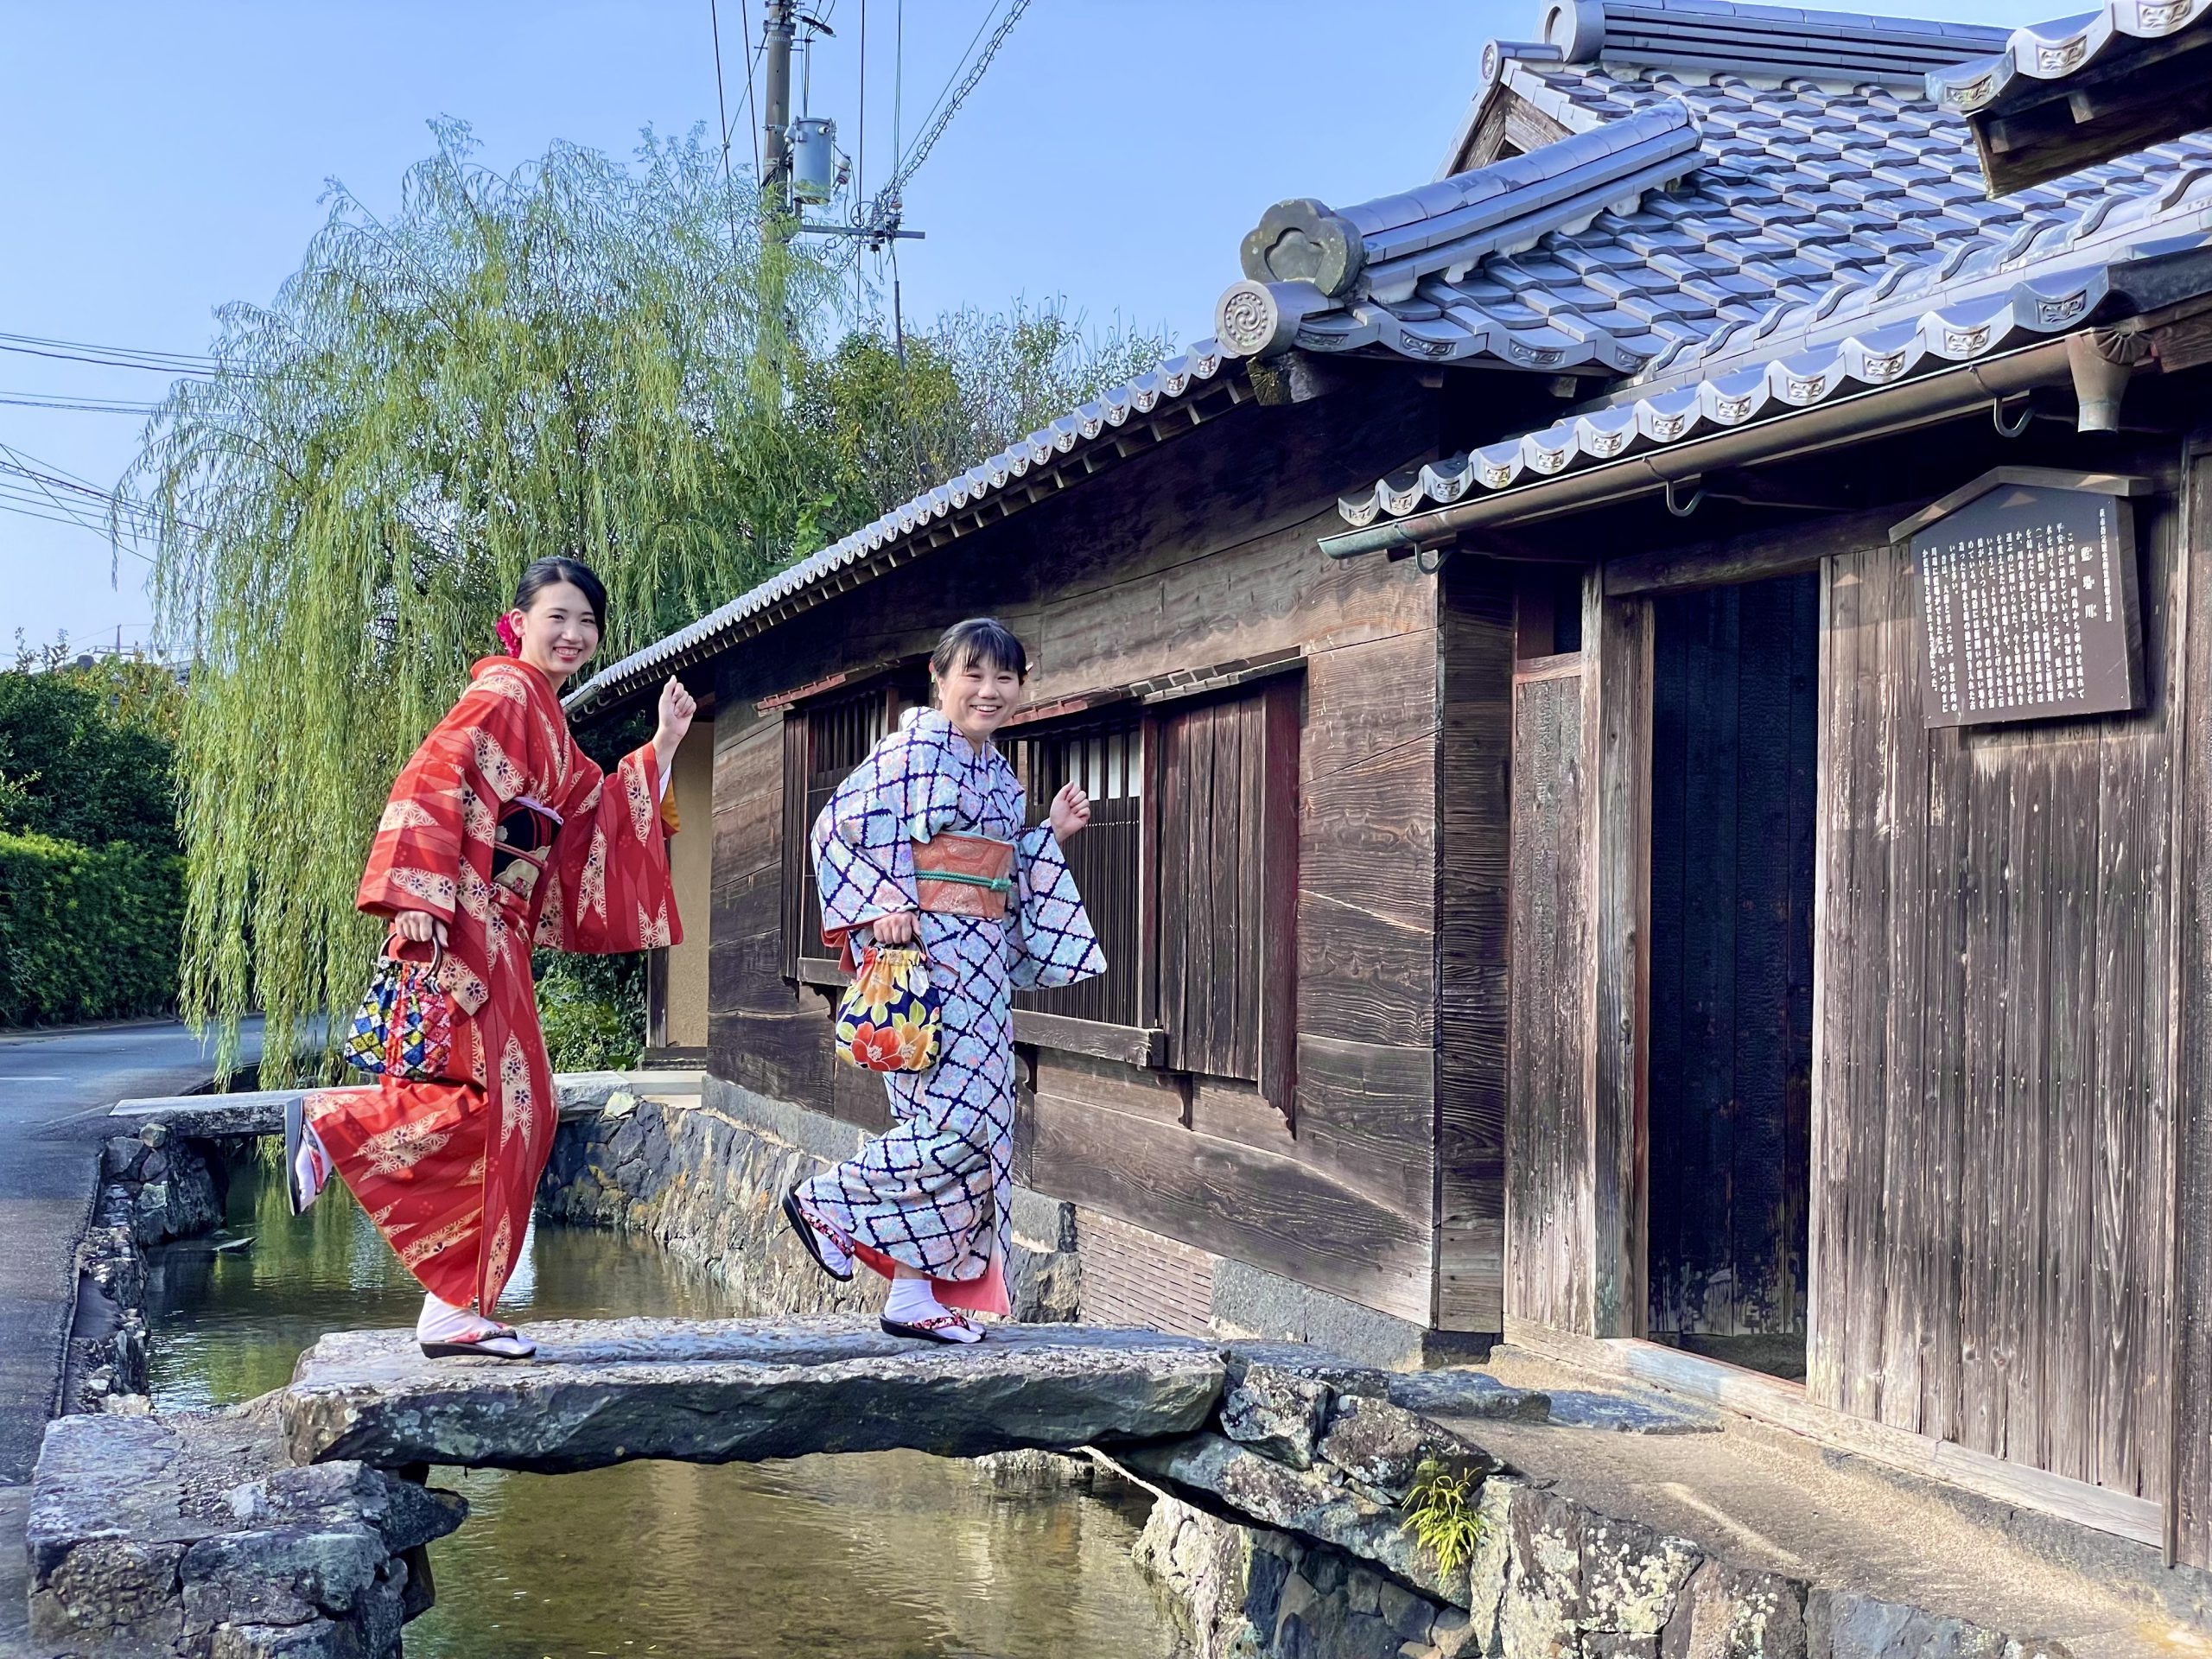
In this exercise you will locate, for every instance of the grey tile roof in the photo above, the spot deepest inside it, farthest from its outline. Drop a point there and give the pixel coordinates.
(1832, 237)
(2053, 51)
(1093, 423)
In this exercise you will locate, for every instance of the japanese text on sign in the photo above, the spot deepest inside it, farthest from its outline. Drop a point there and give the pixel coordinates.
(2028, 606)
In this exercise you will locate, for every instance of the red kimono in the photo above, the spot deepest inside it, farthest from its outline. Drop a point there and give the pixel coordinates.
(504, 830)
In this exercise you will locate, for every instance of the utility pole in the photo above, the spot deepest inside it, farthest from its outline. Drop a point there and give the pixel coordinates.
(776, 110)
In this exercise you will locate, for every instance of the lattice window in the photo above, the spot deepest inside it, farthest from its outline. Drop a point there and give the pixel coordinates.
(822, 742)
(1107, 860)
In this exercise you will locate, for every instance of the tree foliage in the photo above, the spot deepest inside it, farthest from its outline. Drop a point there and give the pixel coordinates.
(87, 750)
(583, 356)
(91, 884)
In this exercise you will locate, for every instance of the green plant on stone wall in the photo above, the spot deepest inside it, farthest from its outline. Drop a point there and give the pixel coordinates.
(1441, 1513)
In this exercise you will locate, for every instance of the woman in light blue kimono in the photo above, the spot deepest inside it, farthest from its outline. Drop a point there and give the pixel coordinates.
(907, 851)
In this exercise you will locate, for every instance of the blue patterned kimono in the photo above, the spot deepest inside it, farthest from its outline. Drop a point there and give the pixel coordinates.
(934, 1192)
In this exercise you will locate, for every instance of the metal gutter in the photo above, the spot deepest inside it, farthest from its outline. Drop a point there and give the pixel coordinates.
(1873, 413)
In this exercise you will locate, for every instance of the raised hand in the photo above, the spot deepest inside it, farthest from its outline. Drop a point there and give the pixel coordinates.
(1071, 813)
(677, 706)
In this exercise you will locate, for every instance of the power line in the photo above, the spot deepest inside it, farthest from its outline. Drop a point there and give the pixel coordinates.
(880, 215)
(752, 63)
(107, 361)
(957, 96)
(80, 405)
(9, 505)
(721, 108)
(185, 361)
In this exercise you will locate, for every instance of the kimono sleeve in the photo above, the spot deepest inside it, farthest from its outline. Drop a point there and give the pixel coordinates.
(468, 767)
(1049, 937)
(611, 889)
(863, 842)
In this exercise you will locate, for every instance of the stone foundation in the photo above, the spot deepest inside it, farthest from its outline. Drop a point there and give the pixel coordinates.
(1327, 1466)
(156, 1186)
(189, 1537)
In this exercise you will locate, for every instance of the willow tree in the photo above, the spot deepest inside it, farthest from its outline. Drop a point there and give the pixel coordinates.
(563, 360)
(581, 357)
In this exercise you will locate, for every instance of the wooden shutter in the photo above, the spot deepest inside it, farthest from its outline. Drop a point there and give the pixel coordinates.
(1106, 860)
(1227, 795)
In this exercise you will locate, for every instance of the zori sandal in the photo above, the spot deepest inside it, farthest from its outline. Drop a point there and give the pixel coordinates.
(937, 1329)
(811, 1233)
(496, 1342)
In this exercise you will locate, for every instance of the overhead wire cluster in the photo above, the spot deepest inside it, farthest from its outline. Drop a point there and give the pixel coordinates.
(48, 493)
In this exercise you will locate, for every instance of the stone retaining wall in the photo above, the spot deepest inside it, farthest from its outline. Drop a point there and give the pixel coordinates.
(1327, 1465)
(188, 1536)
(704, 1179)
(706, 1182)
(156, 1186)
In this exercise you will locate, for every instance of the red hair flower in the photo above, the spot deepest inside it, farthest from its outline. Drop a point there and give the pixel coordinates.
(509, 636)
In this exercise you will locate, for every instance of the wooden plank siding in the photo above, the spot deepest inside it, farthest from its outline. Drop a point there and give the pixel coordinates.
(1617, 759)
(2188, 1422)
(1994, 1079)
(1548, 1205)
(1474, 805)
(1198, 553)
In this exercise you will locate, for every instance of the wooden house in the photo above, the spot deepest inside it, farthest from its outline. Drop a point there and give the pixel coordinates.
(1648, 699)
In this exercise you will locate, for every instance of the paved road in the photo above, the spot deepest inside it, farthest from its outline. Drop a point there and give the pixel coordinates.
(54, 1089)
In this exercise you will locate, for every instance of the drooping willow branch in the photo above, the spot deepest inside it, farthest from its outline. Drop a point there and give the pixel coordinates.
(576, 358)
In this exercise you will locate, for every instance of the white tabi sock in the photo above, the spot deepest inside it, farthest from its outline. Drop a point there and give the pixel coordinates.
(311, 1167)
(442, 1322)
(912, 1301)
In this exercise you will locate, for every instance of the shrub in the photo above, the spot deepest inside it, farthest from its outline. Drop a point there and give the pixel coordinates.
(86, 933)
(592, 1010)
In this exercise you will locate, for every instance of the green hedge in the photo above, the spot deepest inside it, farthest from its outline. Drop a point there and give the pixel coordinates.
(86, 932)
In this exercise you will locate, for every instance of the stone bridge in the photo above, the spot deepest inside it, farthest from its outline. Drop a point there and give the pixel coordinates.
(297, 1527)
(603, 1391)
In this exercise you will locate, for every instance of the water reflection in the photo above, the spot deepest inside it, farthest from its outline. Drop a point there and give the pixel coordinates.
(887, 1556)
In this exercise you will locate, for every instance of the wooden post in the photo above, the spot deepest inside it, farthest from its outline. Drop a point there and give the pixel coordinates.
(1617, 735)
(2187, 1532)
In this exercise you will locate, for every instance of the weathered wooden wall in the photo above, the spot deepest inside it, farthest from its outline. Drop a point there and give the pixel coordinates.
(1198, 553)
(2189, 1422)
(1547, 1207)
(1734, 710)
(1474, 793)
(1994, 1082)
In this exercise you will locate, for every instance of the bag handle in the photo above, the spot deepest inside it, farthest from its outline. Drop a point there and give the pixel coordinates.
(393, 945)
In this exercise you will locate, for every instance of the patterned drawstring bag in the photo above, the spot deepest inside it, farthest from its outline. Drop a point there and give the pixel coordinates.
(404, 1028)
(890, 1018)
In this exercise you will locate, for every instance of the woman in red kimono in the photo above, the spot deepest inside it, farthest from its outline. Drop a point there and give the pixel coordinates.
(500, 834)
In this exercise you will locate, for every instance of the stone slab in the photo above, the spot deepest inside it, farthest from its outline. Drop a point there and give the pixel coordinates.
(1468, 1394)
(261, 1111)
(728, 1390)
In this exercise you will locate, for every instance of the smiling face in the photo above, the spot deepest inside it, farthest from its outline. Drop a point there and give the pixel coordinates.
(560, 631)
(976, 697)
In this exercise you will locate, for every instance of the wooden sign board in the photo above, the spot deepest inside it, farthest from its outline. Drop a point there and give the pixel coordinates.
(2028, 606)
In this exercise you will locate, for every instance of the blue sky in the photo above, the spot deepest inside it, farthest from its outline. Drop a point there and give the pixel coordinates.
(161, 160)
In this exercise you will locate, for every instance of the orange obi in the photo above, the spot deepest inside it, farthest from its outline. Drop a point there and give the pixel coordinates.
(964, 875)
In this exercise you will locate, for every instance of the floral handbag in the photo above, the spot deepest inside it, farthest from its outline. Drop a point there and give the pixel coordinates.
(890, 1018)
(404, 1028)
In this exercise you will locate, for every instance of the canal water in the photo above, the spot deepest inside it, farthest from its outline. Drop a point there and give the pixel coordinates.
(892, 1555)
